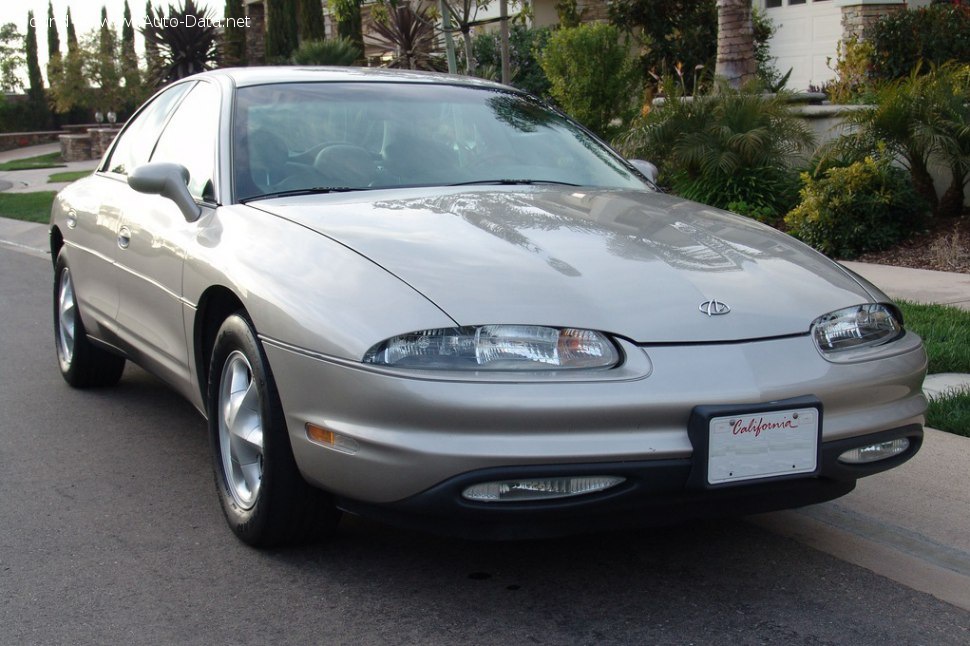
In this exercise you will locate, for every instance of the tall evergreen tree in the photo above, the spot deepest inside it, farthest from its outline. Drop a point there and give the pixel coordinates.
(105, 67)
(152, 56)
(36, 97)
(71, 34)
(53, 38)
(55, 66)
(311, 25)
(349, 21)
(281, 29)
(132, 93)
(68, 85)
(234, 36)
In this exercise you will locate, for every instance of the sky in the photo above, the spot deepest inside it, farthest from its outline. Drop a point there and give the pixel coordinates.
(86, 15)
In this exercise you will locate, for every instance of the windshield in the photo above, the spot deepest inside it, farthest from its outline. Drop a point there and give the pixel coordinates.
(354, 136)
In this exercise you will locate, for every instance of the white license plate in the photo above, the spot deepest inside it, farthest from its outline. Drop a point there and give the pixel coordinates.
(762, 445)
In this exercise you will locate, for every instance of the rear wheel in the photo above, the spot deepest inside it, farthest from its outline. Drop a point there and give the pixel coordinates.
(82, 363)
(265, 499)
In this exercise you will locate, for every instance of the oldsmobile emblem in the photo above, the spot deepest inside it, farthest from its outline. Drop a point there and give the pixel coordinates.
(714, 307)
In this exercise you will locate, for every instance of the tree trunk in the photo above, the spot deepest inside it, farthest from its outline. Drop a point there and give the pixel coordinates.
(951, 204)
(735, 42)
(470, 64)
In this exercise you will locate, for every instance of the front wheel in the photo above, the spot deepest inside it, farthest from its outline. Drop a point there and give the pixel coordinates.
(265, 499)
(82, 363)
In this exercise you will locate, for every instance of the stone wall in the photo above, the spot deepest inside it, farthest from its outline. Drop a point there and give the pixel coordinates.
(858, 16)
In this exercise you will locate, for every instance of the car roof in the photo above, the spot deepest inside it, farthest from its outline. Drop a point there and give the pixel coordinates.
(263, 75)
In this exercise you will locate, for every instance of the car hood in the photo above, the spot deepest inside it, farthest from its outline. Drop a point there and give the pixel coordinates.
(631, 263)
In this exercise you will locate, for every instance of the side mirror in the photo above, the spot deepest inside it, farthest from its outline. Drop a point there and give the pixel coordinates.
(646, 169)
(167, 180)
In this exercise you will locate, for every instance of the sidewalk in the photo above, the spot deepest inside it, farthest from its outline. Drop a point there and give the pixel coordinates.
(26, 181)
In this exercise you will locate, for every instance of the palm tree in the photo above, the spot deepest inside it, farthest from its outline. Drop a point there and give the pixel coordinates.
(735, 42)
(334, 51)
(954, 125)
(408, 35)
(904, 122)
(186, 45)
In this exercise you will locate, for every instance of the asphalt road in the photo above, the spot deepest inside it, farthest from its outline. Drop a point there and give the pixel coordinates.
(110, 533)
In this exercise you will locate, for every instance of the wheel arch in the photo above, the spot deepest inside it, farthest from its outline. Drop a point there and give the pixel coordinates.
(56, 242)
(215, 306)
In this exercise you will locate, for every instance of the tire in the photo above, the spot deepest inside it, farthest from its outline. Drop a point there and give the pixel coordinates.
(82, 364)
(266, 501)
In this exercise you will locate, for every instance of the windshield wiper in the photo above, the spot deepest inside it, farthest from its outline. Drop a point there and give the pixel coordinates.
(513, 182)
(316, 190)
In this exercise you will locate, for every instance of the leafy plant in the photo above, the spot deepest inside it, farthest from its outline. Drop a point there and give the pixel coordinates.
(867, 206)
(335, 51)
(670, 33)
(407, 35)
(951, 84)
(932, 35)
(592, 75)
(913, 119)
(723, 147)
(185, 40)
(853, 72)
(768, 74)
(525, 45)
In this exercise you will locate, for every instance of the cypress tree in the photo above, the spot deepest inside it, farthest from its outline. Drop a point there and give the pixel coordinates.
(129, 63)
(71, 34)
(152, 57)
(53, 38)
(234, 49)
(281, 29)
(36, 98)
(311, 20)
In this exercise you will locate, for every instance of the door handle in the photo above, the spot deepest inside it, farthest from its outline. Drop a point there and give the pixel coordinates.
(124, 237)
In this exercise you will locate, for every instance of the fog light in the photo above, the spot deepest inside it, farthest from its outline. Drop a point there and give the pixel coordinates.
(539, 488)
(331, 439)
(875, 452)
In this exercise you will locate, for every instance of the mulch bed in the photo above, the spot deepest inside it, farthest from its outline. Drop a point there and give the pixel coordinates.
(944, 246)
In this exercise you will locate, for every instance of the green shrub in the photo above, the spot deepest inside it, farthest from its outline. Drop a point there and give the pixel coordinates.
(592, 75)
(723, 148)
(914, 119)
(853, 72)
(867, 206)
(335, 51)
(670, 33)
(934, 35)
(525, 44)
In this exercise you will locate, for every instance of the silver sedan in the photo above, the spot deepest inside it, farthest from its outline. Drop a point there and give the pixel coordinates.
(436, 301)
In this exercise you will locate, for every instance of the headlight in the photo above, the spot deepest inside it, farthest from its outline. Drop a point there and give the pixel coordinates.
(856, 327)
(497, 347)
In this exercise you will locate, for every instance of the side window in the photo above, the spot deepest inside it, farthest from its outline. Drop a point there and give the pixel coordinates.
(190, 139)
(135, 145)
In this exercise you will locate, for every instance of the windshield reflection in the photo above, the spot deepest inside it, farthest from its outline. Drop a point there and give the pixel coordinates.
(355, 135)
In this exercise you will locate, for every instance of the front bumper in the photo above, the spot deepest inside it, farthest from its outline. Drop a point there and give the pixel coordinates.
(418, 437)
(655, 492)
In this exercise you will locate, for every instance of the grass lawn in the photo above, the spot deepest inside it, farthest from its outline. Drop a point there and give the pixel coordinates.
(50, 160)
(946, 334)
(32, 207)
(68, 176)
(951, 413)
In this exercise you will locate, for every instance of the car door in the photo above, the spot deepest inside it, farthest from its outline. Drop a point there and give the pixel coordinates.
(154, 236)
(95, 219)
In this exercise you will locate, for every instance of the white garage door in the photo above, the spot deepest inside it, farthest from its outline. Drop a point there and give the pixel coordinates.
(806, 38)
